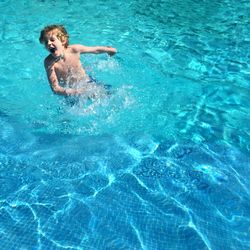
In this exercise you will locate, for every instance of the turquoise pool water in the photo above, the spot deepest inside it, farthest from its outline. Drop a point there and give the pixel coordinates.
(161, 164)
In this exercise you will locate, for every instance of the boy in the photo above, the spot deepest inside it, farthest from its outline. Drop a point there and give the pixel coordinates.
(64, 70)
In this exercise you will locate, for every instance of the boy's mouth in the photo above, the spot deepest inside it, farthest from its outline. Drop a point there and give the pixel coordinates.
(52, 50)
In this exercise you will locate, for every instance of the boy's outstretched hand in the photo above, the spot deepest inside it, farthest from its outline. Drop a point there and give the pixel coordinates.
(111, 51)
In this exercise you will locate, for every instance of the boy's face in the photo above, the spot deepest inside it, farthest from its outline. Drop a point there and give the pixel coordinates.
(54, 45)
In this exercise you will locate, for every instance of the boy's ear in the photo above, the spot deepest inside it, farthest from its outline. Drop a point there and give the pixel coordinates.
(63, 40)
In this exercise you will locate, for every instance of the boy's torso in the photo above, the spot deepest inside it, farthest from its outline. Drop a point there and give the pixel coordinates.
(68, 68)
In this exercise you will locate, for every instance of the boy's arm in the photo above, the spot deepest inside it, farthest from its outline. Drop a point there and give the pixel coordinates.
(95, 49)
(54, 84)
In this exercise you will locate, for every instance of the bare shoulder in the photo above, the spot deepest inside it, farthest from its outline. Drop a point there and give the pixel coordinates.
(49, 63)
(77, 48)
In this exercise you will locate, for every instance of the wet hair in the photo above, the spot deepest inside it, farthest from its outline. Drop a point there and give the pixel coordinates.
(59, 31)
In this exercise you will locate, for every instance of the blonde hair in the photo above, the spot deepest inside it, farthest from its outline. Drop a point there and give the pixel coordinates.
(60, 32)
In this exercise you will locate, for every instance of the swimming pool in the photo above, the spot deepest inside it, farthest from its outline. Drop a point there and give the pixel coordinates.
(161, 164)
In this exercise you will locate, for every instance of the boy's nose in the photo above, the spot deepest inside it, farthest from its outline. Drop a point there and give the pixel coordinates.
(49, 42)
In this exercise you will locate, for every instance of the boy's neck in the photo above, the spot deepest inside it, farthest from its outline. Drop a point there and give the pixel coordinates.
(62, 56)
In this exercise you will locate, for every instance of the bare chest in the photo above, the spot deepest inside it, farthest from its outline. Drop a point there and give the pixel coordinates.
(69, 69)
